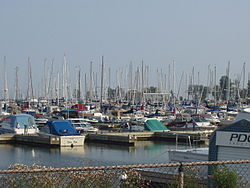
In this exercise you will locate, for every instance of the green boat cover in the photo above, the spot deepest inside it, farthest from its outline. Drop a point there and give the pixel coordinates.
(155, 125)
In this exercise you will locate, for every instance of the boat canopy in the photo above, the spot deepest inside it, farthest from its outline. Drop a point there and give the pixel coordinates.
(22, 121)
(61, 127)
(155, 125)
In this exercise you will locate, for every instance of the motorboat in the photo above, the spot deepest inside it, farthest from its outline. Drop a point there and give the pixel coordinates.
(81, 125)
(191, 155)
(190, 122)
(243, 113)
(201, 123)
(188, 155)
(64, 130)
(18, 124)
(41, 120)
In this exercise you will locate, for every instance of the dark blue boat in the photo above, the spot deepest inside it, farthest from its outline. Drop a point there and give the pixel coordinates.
(65, 131)
(59, 128)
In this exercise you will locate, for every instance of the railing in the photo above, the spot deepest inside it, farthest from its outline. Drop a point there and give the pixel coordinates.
(194, 174)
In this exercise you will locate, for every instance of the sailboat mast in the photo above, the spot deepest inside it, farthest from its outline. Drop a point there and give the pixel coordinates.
(6, 94)
(31, 83)
(215, 87)
(79, 86)
(228, 83)
(102, 71)
(142, 81)
(91, 82)
(85, 83)
(17, 94)
(243, 85)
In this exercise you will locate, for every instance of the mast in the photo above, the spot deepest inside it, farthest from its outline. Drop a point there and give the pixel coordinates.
(174, 84)
(65, 89)
(79, 86)
(109, 87)
(208, 81)
(30, 92)
(228, 83)
(169, 78)
(6, 93)
(45, 77)
(49, 88)
(102, 71)
(17, 91)
(91, 82)
(85, 80)
(215, 87)
(142, 81)
(58, 88)
(243, 85)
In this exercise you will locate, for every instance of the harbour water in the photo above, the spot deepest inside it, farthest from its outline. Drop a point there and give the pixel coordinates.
(91, 154)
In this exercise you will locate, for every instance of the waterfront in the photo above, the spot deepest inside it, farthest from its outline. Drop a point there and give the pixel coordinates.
(91, 154)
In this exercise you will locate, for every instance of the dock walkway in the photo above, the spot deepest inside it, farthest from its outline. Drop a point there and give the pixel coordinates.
(32, 139)
(123, 138)
(129, 138)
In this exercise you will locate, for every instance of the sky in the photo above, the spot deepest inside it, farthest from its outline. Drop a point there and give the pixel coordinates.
(192, 33)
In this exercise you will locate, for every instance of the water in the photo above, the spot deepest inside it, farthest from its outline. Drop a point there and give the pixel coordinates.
(91, 154)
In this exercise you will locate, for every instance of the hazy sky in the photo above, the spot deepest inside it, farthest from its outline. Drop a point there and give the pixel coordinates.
(190, 32)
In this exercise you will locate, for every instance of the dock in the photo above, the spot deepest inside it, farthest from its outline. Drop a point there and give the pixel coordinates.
(120, 138)
(30, 139)
(126, 138)
(129, 138)
(38, 140)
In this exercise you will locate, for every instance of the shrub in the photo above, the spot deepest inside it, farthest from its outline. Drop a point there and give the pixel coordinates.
(224, 178)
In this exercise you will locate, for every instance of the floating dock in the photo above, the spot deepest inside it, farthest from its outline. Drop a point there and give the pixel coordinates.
(30, 139)
(129, 138)
(123, 138)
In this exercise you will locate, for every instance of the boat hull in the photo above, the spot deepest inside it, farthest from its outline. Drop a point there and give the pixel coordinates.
(72, 140)
(188, 155)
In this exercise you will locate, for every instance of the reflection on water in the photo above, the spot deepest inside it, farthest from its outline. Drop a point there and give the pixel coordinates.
(91, 154)
(78, 150)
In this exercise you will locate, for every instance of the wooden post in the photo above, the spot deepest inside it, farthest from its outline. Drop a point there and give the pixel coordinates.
(181, 176)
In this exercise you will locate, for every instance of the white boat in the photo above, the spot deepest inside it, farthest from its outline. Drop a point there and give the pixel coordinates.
(191, 155)
(200, 123)
(188, 155)
(41, 121)
(81, 125)
(18, 124)
(243, 113)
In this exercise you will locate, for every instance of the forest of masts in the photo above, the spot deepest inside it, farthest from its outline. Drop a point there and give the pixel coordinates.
(133, 84)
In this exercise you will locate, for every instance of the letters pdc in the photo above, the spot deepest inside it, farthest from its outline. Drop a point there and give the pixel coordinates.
(240, 137)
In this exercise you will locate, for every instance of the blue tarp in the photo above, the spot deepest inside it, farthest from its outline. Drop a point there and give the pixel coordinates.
(61, 128)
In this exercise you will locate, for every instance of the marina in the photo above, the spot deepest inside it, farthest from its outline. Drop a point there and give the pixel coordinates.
(121, 94)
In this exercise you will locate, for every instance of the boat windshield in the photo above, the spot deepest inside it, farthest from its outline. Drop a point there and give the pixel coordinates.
(199, 119)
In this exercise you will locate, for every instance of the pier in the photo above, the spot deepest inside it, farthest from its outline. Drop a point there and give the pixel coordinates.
(129, 138)
(52, 141)
(123, 138)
